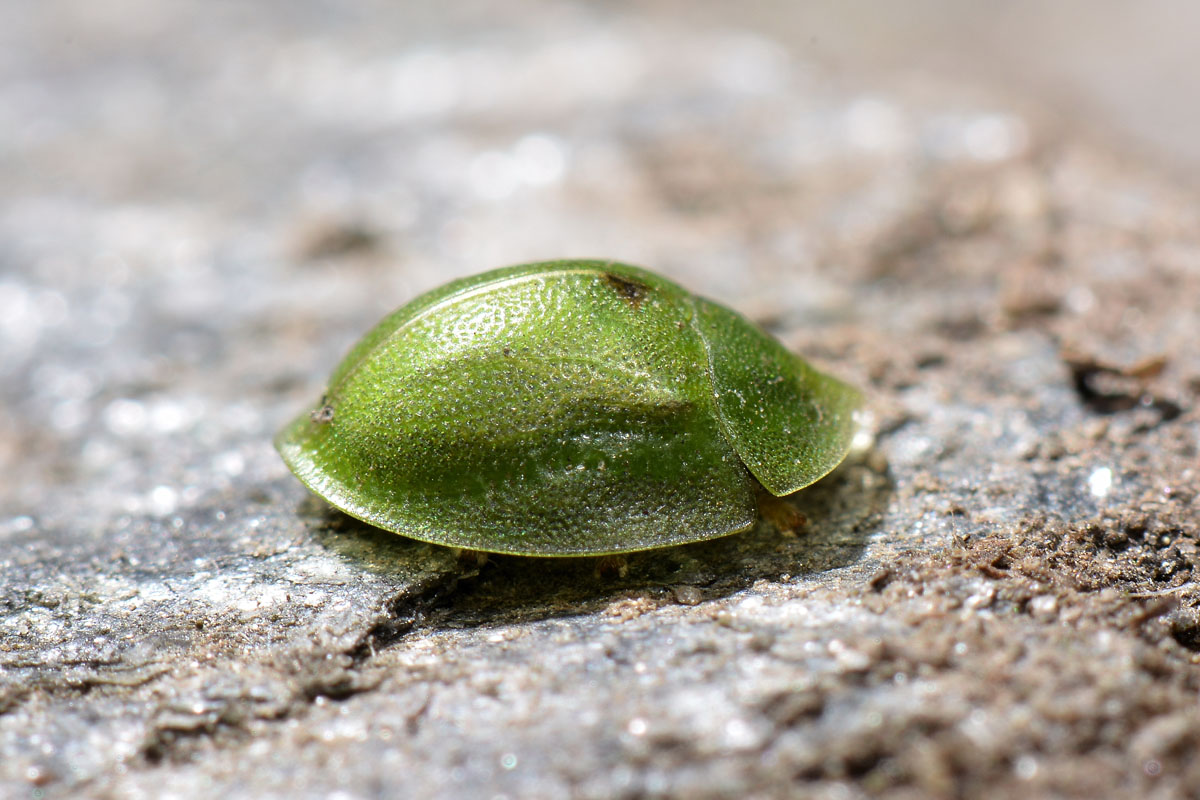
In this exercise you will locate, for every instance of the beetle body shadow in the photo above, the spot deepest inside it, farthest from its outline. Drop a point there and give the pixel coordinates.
(840, 513)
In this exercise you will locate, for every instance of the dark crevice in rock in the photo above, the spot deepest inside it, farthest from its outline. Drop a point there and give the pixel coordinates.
(1185, 628)
(168, 740)
(1108, 389)
(406, 612)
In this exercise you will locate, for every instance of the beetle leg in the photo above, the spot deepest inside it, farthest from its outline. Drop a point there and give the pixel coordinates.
(470, 559)
(780, 513)
(612, 567)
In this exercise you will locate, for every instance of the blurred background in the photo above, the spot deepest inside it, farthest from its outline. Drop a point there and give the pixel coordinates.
(982, 213)
(203, 204)
(1121, 72)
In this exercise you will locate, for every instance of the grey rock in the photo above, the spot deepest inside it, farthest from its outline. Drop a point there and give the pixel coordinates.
(201, 210)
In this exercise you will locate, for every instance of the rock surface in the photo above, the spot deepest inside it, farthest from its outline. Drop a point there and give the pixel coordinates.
(200, 211)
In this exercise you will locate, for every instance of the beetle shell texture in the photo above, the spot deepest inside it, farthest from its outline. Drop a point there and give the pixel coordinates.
(567, 408)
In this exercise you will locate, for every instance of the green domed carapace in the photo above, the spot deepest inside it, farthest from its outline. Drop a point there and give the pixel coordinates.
(567, 408)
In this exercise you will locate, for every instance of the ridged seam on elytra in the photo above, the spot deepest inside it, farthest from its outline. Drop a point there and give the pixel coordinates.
(733, 442)
(712, 383)
(467, 294)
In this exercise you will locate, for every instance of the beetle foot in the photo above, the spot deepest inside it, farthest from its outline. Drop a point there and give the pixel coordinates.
(471, 559)
(612, 567)
(782, 514)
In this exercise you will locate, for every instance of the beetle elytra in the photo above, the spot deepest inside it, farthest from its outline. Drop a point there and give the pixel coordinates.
(567, 408)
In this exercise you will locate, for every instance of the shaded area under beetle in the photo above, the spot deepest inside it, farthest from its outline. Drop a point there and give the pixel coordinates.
(839, 514)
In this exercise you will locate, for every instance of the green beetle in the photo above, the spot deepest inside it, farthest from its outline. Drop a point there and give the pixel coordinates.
(567, 408)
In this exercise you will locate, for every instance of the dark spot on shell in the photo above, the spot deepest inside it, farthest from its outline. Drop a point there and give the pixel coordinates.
(508, 351)
(323, 414)
(632, 291)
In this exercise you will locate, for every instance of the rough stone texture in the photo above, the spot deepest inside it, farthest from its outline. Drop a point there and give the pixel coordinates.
(201, 209)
